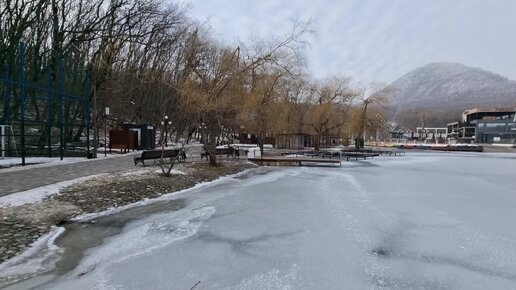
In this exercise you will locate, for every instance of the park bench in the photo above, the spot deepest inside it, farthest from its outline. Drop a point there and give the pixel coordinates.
(178, 154)
(230, 151)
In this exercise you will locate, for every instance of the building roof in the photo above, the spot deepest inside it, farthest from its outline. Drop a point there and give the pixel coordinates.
(487, 110)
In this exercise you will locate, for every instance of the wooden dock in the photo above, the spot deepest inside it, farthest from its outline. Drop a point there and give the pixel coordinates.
(357, 155)
(390, 152)
(339, 155)
(294, 161)
(300, 157)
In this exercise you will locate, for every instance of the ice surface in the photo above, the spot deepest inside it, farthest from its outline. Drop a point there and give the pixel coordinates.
(40, 257)
(422, 221)
(138, 239)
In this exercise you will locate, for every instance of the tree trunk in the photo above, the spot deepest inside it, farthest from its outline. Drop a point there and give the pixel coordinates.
(209, 146)
(260, 142)
(165, 171)
(189, 137)
(179, 132)
(213, 159)
(317, 142)
(77, 137)
(362, 121)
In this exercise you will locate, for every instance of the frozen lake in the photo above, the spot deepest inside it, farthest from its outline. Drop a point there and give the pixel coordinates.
(423, 221)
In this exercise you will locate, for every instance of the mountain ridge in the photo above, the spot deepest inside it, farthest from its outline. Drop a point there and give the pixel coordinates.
(447, 85)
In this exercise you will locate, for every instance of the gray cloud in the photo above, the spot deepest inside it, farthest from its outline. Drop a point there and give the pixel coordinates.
(378, 40)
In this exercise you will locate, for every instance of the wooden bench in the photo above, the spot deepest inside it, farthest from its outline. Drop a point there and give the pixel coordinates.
(223, 151)
(178, 154)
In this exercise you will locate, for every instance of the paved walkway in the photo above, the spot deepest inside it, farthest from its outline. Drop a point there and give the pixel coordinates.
(15, 181)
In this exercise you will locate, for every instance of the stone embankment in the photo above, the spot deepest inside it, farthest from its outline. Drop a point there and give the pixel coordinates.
(22, 225)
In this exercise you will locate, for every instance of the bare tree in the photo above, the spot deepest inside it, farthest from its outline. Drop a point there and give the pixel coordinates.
(328, 103)
(218, 73)
(372, 95)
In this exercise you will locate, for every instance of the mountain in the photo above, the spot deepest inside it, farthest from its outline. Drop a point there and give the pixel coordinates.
(439, 86)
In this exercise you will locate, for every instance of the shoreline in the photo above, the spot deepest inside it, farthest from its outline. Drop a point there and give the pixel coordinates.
(24, 226)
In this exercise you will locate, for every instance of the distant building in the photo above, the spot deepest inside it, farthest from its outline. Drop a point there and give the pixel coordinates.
(301, 140)
(461, 131)
(247, 138)
(294, 141)
(431, 133)
(485, 125)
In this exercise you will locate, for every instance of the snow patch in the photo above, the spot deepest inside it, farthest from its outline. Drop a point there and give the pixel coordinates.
(135, 172)
(173, 171)
(14, 164)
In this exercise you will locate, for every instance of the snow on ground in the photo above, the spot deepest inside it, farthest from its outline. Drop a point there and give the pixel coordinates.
(35, 162)
(173, 172)
(137, 172)
(148, 170)
(39, 193)
(14, 164)
(165, 197)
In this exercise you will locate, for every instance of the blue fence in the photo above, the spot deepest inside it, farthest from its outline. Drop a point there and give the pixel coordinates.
(44, 111)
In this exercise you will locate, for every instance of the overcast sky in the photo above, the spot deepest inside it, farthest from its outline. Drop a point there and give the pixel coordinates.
(378, 40)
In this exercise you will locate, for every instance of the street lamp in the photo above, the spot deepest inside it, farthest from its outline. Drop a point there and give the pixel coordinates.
(202, 129)
(106, 114)
(165, 123)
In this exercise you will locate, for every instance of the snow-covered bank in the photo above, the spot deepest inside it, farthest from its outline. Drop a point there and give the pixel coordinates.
(168, 196)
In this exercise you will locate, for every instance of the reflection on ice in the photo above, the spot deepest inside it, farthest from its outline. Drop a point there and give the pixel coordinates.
(144, 236)
(242, 245)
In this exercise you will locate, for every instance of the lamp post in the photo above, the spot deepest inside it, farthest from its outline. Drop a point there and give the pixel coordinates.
(202, 129)
(106, 114)
(165, 123)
